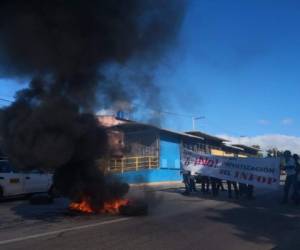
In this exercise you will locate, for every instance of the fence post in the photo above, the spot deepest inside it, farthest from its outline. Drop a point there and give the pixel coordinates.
(149, 161)
(122, 165)
(136, 163)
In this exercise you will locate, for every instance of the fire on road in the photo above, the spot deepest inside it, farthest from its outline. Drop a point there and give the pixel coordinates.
(176, 222)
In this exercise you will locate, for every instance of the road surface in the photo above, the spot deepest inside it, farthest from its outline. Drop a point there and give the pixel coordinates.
(174, 222)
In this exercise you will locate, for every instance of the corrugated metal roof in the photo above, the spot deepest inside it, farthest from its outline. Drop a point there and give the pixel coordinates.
(131, 125)
(206, 136)
(245, 147)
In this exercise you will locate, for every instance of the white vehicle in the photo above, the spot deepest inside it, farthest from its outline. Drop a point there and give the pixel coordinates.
(13, 183)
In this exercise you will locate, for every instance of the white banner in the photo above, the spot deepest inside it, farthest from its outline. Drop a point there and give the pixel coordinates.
(259, 172)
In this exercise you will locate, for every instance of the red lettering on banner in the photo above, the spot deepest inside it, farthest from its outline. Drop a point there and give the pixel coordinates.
(250, 177)
(205, 162)
(261, 179)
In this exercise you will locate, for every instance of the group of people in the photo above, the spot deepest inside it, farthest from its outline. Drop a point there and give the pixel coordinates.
(214, 185)
(290, 165)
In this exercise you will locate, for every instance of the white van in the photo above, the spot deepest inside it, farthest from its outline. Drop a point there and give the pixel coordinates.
(14, 183)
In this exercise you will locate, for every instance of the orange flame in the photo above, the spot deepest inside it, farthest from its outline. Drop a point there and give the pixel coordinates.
(111, 207)
(83, 206)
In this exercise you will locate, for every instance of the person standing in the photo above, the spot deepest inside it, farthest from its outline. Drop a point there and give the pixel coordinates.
(242, 189)
(220, 185)
(189, 182)
(186, 180)
(296, 196)
(289, 166)
(250, 191)
(235, 187)
(246, 190)
(205, 184)
(214, 186)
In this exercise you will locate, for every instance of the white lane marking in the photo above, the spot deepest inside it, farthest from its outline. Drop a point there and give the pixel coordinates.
(62, 231)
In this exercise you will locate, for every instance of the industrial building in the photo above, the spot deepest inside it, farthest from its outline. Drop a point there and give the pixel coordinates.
(152, 154)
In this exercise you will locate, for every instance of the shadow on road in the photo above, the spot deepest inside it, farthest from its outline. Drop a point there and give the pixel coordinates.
(263, 220)
(50, 212)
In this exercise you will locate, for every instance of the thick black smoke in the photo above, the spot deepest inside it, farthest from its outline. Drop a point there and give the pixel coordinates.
(63, 47)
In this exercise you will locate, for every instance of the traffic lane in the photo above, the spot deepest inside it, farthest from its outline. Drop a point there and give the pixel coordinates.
(16, 214)
(176, 229)
(60, 231)
(19, 219)
(180, 222)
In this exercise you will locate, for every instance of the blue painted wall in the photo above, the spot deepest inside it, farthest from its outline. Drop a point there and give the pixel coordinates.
(169, 168)
(169, 153)
(150, 175)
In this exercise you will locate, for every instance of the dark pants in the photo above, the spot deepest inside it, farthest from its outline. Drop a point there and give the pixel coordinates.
(250, 189)
(204, 184)
(189, 183)
(235, 187)
(220, 185)
(289, 182)
(246, 190)
(242, 189)
(214, 186)
(296, 192)
(192, 183)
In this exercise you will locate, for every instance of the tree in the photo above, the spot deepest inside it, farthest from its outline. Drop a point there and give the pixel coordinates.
(274, 152)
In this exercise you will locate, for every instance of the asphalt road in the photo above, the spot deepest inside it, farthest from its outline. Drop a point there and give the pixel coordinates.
(174, 222)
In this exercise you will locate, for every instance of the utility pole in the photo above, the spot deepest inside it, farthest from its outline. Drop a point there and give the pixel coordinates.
(194, 121)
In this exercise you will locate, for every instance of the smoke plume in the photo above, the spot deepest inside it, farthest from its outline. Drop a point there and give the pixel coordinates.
(65, 48)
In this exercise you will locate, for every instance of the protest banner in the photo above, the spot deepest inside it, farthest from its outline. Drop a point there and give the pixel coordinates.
(259, 172)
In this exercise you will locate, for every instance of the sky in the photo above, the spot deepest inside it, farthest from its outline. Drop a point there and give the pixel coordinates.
(237, 64)
(239, 67)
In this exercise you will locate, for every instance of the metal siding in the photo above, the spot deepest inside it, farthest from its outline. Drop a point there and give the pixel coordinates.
(150, 175)
(169, 153)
